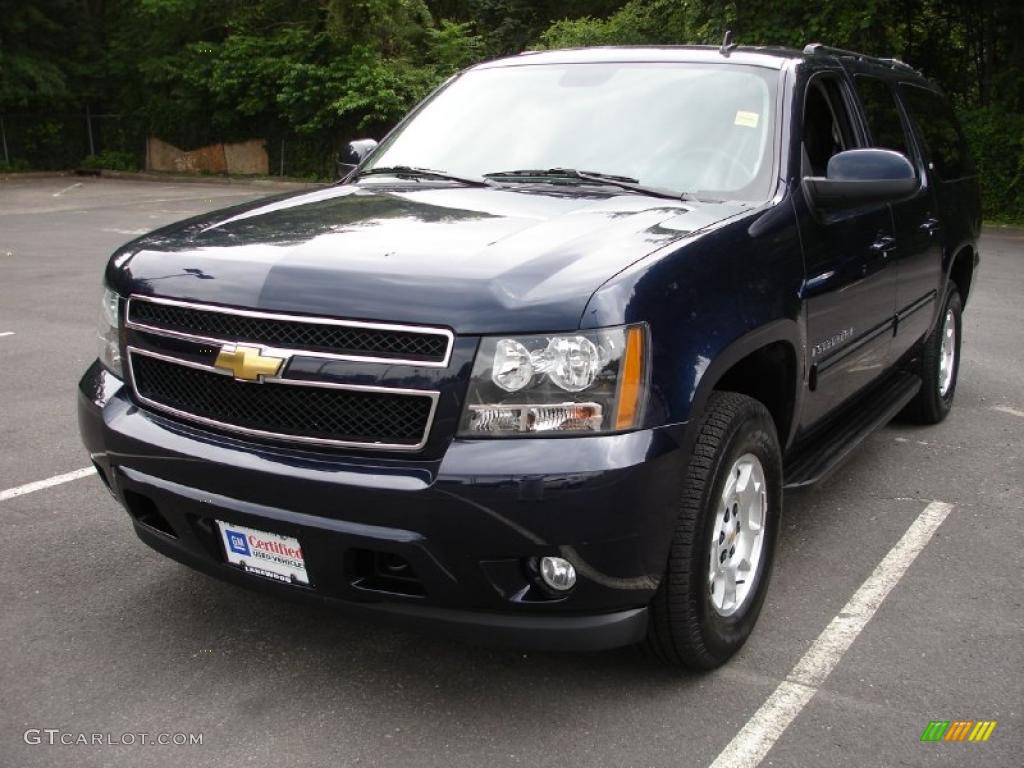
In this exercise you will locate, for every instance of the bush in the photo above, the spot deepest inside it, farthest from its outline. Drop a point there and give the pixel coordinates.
(111, 160)
(46, 144)
(997, 143)
(15, 165)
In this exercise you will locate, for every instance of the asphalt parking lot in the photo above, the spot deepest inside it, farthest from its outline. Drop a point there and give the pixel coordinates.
(101, 635)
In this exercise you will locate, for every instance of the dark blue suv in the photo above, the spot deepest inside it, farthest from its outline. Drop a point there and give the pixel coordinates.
(539, 368)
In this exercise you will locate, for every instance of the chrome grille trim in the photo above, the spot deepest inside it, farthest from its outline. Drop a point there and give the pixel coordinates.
(284, 437)
(289, 351)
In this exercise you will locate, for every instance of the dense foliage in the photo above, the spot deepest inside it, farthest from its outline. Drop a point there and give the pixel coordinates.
(308, 74)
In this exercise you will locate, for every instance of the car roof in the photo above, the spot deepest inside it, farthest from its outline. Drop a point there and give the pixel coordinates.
(772, 57)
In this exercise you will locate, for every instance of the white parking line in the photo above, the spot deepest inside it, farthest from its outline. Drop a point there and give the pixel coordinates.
(6, 333)
(49, 482)
(1009, 410)
(751, 744)
(117, 231)
(67, 189)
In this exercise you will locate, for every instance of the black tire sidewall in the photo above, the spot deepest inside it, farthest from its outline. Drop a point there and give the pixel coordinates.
(723, 635)
(934, 407)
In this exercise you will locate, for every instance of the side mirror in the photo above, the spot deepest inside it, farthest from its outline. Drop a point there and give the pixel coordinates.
(861, 177)
(353, 154)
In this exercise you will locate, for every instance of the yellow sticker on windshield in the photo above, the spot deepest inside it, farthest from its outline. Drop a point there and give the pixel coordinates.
(747, 119)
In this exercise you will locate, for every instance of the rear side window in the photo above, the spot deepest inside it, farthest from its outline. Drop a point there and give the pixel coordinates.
(939, 130)
(883, 114)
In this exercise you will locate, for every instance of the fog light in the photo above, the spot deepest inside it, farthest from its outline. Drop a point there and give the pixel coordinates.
(557, 573)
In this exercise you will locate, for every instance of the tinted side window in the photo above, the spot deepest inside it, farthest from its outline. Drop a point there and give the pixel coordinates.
(827, 129)
(937, 125)
(882, 114)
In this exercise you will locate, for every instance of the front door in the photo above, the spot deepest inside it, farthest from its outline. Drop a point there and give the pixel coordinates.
(849, 286)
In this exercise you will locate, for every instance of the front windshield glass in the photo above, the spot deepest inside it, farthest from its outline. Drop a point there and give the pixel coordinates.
(688, 128)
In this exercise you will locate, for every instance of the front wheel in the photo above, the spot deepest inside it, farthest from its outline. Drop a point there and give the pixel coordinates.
(724, 542)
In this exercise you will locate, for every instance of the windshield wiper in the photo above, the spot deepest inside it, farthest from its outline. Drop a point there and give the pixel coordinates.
(408, 171)
(622, 182)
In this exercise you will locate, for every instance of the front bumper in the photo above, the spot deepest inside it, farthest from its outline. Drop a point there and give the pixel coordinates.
(467, 524)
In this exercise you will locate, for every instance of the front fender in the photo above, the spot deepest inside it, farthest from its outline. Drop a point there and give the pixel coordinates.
(710, 301)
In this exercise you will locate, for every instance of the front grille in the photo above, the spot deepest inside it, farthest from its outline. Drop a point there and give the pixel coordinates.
(349, 339)
(288, 411)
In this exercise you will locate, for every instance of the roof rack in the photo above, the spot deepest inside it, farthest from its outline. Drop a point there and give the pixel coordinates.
(898, 64)
(814, 48)
(820, 48)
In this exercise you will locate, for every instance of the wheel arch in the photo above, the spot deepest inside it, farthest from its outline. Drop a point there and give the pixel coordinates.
(961, 270)
(764, 364)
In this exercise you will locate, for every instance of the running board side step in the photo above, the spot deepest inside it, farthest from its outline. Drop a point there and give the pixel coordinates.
(827, 450)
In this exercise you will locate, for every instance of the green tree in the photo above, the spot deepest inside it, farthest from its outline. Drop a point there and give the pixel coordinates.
(316, 72)
(38, 43)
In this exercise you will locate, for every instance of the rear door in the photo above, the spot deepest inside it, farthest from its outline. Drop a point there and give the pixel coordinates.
(850, 287)
(917, 256)
(951, 177)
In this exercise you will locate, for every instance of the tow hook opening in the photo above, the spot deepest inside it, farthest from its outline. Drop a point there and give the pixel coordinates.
(144, 511)
(385, 572)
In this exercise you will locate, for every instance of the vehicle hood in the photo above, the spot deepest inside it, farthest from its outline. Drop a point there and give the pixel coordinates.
(477, 260)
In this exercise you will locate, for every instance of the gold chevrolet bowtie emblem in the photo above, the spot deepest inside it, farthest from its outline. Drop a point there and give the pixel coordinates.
(247, 364)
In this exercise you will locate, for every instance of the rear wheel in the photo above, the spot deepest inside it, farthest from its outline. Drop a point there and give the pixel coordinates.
(724, 542)
(940, 365)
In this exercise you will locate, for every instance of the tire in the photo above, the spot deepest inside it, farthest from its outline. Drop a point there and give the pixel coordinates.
(687, 627)
(935, 399)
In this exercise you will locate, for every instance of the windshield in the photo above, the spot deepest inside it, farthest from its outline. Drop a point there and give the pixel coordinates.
(689, 128)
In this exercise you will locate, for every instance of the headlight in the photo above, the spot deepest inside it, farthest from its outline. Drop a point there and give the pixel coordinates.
(108, 337)
(581, 382)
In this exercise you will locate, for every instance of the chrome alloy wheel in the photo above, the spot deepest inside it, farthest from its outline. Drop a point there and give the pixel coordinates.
(947, 353)
(738, 535)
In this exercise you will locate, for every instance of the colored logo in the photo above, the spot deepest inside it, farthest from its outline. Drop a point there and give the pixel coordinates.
(238, 543)
(246, 363)
(958, 730)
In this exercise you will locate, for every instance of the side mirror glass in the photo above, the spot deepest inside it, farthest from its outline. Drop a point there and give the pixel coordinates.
(353, 154)
(859, 177)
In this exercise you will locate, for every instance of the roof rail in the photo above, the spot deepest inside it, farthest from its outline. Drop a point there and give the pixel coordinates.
(812, 49)
(898, 64)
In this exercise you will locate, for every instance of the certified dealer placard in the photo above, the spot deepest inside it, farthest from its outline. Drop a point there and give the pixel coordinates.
(266, 554)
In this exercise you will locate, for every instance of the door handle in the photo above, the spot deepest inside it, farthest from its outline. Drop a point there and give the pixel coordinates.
(930, 226)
